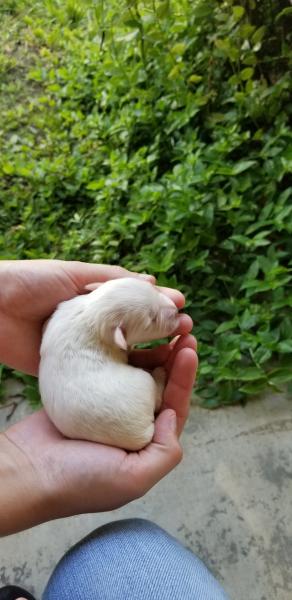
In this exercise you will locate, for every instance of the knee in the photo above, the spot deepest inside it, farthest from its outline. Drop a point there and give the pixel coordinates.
(130, 556)
(102, 559)
(132, 526)
(128, 532)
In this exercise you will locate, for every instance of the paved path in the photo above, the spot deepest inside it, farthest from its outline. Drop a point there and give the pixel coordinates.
(230, 501)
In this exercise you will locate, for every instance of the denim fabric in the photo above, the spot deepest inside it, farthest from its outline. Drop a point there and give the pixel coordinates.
(132, 559)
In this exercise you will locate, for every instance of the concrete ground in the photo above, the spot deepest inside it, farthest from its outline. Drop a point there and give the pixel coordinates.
(230, 501)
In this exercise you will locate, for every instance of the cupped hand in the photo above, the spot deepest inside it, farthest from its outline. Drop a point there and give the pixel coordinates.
(68, 477)
(30, 290)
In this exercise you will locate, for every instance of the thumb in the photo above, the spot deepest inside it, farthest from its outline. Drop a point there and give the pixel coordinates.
(165, 428)
(164, 452)
(89, 273)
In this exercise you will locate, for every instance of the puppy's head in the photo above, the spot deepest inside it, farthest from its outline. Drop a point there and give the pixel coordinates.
(129, 311)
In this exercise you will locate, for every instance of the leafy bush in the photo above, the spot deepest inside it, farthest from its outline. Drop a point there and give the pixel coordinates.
(156, 135)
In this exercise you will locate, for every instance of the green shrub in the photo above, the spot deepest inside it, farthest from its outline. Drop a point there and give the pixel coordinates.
(156, 135)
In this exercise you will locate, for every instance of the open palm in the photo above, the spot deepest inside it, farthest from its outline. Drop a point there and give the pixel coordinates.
(78, 476)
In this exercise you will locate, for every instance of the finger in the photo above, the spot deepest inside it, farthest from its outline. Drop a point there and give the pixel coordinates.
(188, 341)
(182, 341)
(90, 287)
(86, 273)
(180, 383)
(165, 431)
(158, 458)
(175, 295)
(184, 326)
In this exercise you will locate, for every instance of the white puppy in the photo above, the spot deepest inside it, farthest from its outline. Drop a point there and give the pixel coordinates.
(87, 386)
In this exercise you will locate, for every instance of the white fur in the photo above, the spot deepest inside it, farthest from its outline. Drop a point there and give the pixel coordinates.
(88, 389)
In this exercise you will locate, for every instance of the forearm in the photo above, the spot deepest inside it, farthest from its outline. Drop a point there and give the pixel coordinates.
(23, 500)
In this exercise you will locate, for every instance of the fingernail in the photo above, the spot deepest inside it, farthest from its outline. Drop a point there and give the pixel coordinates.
(90, 287)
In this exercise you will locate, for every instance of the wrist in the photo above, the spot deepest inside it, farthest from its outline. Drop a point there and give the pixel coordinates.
(24, 500)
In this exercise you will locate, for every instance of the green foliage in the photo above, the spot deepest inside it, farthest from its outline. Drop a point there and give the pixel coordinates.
(156, 135)
(29, 387)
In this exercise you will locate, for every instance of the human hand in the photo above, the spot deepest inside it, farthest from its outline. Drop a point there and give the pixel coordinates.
(56, 477)
(30, 290)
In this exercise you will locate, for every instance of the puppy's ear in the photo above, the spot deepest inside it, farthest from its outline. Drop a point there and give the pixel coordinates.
(120, 339)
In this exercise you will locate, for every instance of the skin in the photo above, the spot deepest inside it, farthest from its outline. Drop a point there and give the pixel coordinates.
(44, 475)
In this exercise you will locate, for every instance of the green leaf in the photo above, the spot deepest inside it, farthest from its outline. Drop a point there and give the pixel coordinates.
(286, 12)
(281, 375)
(163, 9)
(247, 320)
(261, 355)
(223, 44)
(286, 327)
(8, 168)
(175, 71)
(242, 165)
(32, 394)
(228, 357)
(128, 37)
(179, 48)
(250, 374)
(133, 23)
(285, 347)
(95, 185)
(226, 326)
(257, 387)
(253, 270)
(195, 78)
(246, 73)
(238, 12)
(259, 34)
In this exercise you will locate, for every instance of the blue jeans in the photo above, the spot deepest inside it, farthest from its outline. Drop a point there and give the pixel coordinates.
(132, 559)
